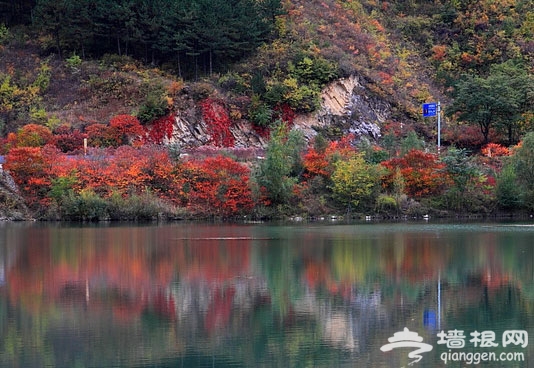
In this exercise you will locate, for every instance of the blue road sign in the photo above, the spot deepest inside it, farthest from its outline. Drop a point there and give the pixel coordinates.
(430, 109)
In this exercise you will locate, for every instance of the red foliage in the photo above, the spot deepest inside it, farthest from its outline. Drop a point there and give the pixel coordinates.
(218, 186)
(386, 78)
(4, 146)
(495, 150)
(122, 130)
(464, 136)
(30, 167)
(218, 121)
(124, 170)
(315, 163)
(263, 132)
(125, 129)
(285, 113)
(320, 163)
(68, 140)
(160, 129)
(393, 127)
(423, 173)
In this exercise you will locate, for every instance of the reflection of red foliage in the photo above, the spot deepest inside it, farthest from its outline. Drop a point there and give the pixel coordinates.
(164, 305)
(316, 274)
(126, 275)
(216, 261)
(220, 309)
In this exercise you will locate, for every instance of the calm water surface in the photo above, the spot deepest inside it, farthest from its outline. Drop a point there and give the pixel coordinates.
(310, 295)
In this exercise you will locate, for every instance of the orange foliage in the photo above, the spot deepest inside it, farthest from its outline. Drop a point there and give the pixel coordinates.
(495, 150)
(34, 135)
(315, 163)
(125, 129)
(439, 52)
(320, 163)
(124, 170)
(423, 173)
(30, 168)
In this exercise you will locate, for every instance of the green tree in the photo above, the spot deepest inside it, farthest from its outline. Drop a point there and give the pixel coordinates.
(278, 173)
(411, 142)
(496, 100)
(459, 166)
(51, 17)
(519, 87)
(507, 192)
(523, 164)
(355, 182)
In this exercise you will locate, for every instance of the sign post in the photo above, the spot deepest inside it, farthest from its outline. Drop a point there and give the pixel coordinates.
(434, 109)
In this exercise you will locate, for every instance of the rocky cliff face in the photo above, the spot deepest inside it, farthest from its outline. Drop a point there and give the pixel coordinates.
(12, 205)
(345, 108)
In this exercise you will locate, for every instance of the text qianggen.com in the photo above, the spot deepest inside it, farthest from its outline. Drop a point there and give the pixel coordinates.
(479, 357)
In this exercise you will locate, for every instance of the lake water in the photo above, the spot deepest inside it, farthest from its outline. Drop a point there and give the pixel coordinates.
(264, 295)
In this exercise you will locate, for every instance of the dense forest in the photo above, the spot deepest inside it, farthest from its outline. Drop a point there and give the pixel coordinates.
(118, 74)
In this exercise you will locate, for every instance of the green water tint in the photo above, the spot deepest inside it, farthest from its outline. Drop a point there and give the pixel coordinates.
(204, 295)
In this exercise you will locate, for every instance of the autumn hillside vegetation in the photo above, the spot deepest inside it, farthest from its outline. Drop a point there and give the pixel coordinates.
(96, 97)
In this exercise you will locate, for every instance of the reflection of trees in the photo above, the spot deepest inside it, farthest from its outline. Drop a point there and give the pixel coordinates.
(249, 295)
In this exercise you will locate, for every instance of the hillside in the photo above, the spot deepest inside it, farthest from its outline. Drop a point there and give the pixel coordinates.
(402, 54)
(330, 69)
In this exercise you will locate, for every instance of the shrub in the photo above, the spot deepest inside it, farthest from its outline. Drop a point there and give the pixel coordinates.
(155, 104)
(34, 135)
(85, 206)
(144, 206)
(386, 204)
(74, 62)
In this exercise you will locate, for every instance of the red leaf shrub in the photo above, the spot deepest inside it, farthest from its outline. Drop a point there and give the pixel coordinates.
(219, 186)
(495, 150)
(160, 129)
(125, 129)
(69, 140)
(218, 121)
(30, 167)
(423, 173)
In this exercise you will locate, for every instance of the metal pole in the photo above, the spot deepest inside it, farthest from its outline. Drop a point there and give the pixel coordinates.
(439, 300)
(439, 126)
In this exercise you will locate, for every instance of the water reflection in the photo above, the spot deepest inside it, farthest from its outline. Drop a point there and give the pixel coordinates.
(227, 295)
